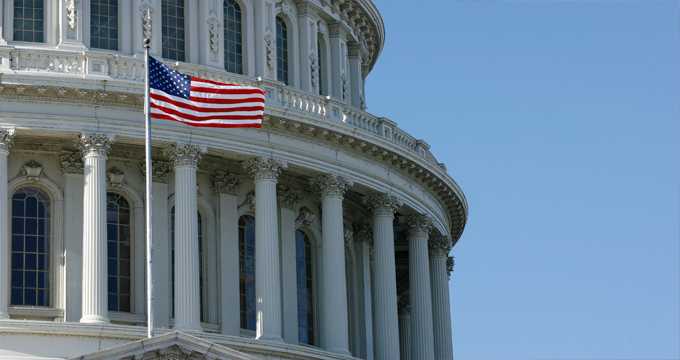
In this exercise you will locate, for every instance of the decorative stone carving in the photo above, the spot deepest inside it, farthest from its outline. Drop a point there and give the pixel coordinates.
(306, 216)
(147, 20)
(382, 204)
(225, 183)
(345, 86)
(270, 43)
(213, 29)
(32, 170)
(362, 99)
(160, 172)
(439, 246)
(449, 266)
(322, 27)
(185, 155)
(116, 177)
(71, 12)
(404, 305)
(417, 225)
(347, 234)
(94, 144)
(285, 8)
(250, 200)
(264, 168)
(314, 67)
(363, 233)
(287, 198)
(331, 185)
(6, 136)
(71, 162)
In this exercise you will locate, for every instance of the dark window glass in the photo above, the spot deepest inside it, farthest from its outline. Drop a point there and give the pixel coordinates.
(31, 243)
(200, 260)
(104, 24)
(281, 50)
(118, 252)
(29, 20)
(318, 50)
(246, 262)
(305, 295)
(233, 37)
(173, 29)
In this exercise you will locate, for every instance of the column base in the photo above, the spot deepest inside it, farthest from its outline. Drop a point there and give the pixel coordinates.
(188, 328)
(4, 315)
(340, 351)
(270, 337)
(94, 319)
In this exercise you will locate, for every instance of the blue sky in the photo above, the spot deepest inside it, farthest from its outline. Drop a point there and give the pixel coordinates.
(560, 121)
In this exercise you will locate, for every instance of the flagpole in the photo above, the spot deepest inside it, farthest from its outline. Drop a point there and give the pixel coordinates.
(149, 223)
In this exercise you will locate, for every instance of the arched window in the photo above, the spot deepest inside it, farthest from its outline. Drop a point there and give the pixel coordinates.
(31, 243)
(29, 20)
(233, 37)
(319, 51)
(281, 50)
(118, 251)
(104, 24)
(305, 295)
(200, 261)
(246, 262)
(173, 29)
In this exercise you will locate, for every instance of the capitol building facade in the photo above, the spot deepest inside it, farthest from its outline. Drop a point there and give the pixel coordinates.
(325, 234)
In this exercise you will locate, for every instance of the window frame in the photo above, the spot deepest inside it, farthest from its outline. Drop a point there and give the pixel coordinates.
(87, 26)
(315, 288)
(242, 33)
(184, 51)
(132, 246)
(251, 214)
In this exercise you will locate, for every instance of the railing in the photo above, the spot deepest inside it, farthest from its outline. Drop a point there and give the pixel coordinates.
(131, 69)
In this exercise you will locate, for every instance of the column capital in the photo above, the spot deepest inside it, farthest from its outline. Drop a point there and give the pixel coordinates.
(404, 305)
(331, 185)
(71, 162)
(382, 204)
(449, 266)
(363, 233)
(417, 225)
(185, 155)
(287, 198)
(160, 172)
(94, 144)
(225, 183)
(264, 168)
(6, 136)
(439, 246)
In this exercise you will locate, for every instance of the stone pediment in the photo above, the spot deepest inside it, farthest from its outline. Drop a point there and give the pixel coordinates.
(172, 346)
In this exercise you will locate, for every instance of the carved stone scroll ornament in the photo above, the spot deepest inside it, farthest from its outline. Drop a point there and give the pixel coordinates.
(322, 28)
(32, 170)
(160, 172)
(314, 68)
(185, 155)
(213, 29)
(363, 233)
(225, 183)
(331, 185)
(115, 177)
(383, 204)
(345, 86)
(71, 162)
(348, 235)
(306, 216)
(285, 8)
(147, 20)
(270, 44)
(449, 266)
(250, 200)
(71, 12)
(287, 198)
(6, 136)
(94, 144)
(404, 305)
(417, 225)
(264, 168)
(439, 246)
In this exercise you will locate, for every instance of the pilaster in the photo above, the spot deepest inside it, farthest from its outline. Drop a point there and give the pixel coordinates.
(338, 43)
(70, 25)
(95, 149)
(309, 59)
(265, 173)
(363, 244)
(6, 136)
(288, 200)
(72, 168)
(356, 56)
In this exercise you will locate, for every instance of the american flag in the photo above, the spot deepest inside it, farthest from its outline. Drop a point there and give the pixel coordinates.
(199, 102)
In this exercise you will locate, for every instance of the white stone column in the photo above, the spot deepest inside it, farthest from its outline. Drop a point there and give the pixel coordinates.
(404, 305)
(418, 228)
(363, 244)
(331, 189)
(225, 188)
(439, 248)
(72, 167)
(6, 136)
(160, 177)
(386, 329)
(185, 159)
(288, 199)
(265, 173)
(95, 149)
